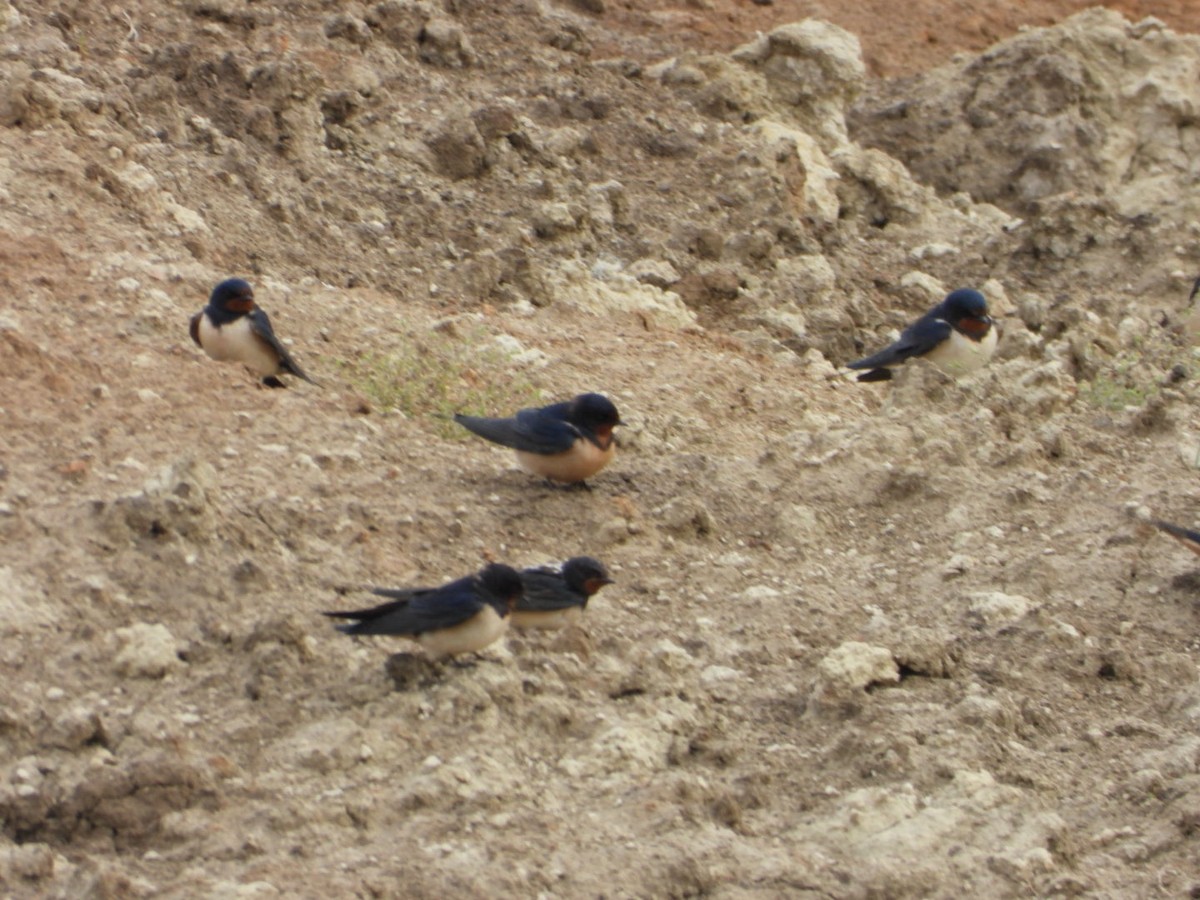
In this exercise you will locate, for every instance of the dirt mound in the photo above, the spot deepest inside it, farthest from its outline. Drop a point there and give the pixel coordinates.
(865, 640)
(1096, 107)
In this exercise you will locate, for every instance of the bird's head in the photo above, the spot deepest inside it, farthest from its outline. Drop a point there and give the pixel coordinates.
(233, 295)
(585, 574)
(595, 413)
(967, 310)
(504, 583)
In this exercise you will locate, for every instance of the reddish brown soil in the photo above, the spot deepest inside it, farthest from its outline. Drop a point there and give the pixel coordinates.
(899, 37)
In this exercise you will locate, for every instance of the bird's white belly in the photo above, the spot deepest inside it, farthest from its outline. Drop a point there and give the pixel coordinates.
(579, 463)
(959, 354)
(238, 343)
(476, 633)
(546, 618)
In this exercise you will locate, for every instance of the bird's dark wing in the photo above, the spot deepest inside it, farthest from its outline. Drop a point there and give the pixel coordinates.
(260, 324)
(916, 340)
(546, 590)
(369, 614)
(194, 328)
(401, 593)
(1189, 539)
(444, 607)
(531, 430)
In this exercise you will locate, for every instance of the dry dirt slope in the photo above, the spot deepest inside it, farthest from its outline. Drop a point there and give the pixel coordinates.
(865, 642)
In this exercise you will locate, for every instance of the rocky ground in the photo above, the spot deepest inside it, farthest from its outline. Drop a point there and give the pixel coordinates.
(900, 640)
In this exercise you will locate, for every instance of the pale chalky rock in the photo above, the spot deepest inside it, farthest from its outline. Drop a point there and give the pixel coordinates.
(328, 745)
(75, 729)
(179, 500)
(855, 666)
(757, 595)
(146, 651)
(631, 748)
(799, 158)
(814, 67)
(656, 272)
(574, 285)
(22, 606)
(894, 837)
(995, 608)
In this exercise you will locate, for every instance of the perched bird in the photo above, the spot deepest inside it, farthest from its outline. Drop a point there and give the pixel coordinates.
(957, 335)
(1189, 539)
(460, 617)
(231, 327)
(1190, 317)
(569, 441)
(555, 598)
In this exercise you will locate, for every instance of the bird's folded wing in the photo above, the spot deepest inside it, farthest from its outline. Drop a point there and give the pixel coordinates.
(260, 324)
(429, 612)
(530, 430)
(545, 590)
(916, 340)
(404, 594)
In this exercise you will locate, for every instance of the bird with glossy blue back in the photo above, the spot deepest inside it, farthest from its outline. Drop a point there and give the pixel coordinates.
(958, 336)
(232, 328)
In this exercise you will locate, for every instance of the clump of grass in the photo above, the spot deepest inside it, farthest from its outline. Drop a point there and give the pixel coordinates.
(438, 375)
(1118, 388)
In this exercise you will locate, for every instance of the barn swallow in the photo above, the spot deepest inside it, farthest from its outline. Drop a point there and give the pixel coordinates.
(957, 335)
(1189, 539)
(460, 617)
(569, 441)
(555, 598)
(232, 327)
